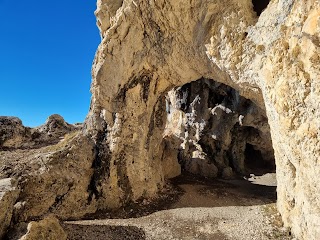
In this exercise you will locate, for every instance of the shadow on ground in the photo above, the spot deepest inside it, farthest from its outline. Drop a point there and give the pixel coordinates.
(188, 190)
(96, 232)
(200, 192)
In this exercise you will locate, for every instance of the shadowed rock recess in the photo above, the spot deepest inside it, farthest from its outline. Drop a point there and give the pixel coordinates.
(212, 131)
(215, 88)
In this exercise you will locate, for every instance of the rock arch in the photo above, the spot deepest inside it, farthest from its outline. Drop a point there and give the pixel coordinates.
(129, 98)
(149, 47)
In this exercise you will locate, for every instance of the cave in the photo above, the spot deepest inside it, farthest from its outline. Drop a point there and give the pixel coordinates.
(214, 132)
(260, 5)
(256, 163)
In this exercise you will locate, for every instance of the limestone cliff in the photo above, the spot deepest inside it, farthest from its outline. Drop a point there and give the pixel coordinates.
(180, 85)
(151, 47)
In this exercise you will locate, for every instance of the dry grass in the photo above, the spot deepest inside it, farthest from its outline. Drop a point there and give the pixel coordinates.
(63, 143)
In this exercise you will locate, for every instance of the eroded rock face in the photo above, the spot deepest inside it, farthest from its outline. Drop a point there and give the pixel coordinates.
(135, 133)
(52, 167)
(9, 193)
(214, 129)
(48, 228)
(12, 132)
(151, 47)
(53, 130)
(282, 54)
(54, 179)
(13, 135)
(132, 80)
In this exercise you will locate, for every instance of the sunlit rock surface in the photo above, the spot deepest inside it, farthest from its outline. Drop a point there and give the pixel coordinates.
(260, 63)
(14, 135)
(151, 47)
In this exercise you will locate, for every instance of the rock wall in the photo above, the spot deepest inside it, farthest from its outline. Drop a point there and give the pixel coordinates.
(214, 132)
(281, 55)
(151, 47)
(149, 119)
(131, 82)
(44, 170)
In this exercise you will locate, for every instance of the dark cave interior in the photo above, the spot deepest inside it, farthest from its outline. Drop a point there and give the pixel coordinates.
(260, 5)
(223, 134)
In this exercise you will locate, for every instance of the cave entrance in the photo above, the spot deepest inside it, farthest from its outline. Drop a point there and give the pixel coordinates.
(256, 163)
(214, 133)
(260, 5)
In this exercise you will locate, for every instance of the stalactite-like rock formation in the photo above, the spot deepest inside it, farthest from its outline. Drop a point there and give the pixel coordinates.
(212, 131)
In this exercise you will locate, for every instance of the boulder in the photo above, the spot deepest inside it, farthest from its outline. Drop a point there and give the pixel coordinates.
(49, 228)
(8, 195)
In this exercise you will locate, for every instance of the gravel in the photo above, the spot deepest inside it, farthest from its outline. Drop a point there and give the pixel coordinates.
(208, 210)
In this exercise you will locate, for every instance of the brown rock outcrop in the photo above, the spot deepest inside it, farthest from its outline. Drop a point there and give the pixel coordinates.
(12, 132)
(48, 228)
(53, 168)
(13, 135)
(281, 56)
(132, 80)
(8, 196)
(54, 179)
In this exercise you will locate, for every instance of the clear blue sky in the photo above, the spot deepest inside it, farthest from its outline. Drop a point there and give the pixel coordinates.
(46, 53)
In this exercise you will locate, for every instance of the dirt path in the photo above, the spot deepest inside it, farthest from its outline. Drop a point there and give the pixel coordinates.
(234, 209)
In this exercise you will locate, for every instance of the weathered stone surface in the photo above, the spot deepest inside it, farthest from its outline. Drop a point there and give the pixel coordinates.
(12, 132)
(52, 166)
(54, 179)
(131, 81)
(57, 181)
(14, 135)
(151, 47)
(8, 196)
(135, 133)
(54, 129)
(281, 56)
(48, 228)
(214, 128)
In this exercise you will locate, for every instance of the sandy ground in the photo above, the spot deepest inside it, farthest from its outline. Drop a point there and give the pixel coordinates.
(233, 209)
